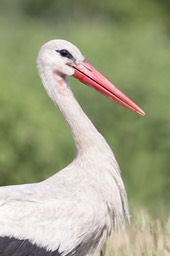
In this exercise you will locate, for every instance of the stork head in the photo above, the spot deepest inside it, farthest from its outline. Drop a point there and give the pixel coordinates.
(59, 56)
(64, 59)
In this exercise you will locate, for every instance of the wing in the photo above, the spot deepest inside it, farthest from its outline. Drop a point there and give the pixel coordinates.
(60, 225)
(10, 246)
(59, 217)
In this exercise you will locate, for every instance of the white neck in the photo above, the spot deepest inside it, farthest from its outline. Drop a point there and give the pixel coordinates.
(84, 133)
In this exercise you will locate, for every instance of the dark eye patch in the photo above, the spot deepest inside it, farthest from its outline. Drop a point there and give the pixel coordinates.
(66, 54)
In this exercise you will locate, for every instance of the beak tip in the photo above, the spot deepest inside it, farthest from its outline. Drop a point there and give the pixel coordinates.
(141, 112)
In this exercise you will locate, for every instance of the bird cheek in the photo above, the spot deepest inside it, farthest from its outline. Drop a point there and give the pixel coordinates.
(69, 71)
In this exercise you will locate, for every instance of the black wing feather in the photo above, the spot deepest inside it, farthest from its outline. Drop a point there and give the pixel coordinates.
(10, 246)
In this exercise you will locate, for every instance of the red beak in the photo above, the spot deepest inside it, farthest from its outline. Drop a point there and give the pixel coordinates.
(91, 77)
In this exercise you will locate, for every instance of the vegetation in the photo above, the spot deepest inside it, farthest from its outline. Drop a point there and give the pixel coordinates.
(130, 44)
(143, 237)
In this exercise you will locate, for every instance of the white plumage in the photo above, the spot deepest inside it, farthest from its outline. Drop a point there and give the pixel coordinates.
(74, 211)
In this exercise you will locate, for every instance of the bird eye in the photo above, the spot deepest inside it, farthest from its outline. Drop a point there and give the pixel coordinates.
(65, 53)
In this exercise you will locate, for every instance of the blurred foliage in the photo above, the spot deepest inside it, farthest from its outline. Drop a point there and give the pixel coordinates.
(114, 11)
(129, 42)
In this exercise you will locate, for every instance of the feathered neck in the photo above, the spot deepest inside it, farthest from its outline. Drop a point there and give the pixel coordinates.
(84, 132)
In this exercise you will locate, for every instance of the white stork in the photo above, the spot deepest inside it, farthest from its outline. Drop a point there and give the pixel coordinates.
(74, 211)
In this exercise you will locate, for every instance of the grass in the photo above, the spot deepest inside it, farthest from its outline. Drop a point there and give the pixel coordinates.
(145, 236)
